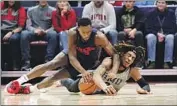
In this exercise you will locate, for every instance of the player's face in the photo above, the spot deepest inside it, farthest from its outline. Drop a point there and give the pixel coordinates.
(85, 32)
(62, 4)
(128, 58)
(161, 5)
(129, 4)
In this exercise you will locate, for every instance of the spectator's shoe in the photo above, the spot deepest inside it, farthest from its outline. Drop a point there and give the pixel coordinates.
(13, 87)
(167, 65)
(151, 65)
(26, 66)
(25, 89)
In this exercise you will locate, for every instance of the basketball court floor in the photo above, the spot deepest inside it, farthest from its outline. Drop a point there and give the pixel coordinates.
(162, 94)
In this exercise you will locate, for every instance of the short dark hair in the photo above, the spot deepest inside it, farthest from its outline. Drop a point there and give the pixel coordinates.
(122, 48)
(84, 22)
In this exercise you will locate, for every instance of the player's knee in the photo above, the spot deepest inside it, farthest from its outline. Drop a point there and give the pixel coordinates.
(107, 62)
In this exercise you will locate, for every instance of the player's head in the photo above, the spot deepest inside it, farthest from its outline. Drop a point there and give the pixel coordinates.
(85, 28)
(130, 55)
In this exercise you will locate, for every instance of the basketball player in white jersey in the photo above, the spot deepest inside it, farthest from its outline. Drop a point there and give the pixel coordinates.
(112, 83)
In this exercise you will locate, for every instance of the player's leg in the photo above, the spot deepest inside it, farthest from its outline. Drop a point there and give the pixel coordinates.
(60, 60)
(71, 85)
(47, 82)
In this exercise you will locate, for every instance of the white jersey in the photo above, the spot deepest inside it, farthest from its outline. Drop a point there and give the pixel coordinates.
(119, 81)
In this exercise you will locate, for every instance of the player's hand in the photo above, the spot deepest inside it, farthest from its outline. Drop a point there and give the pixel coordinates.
(142, 91)
(109, 90)
(87, 77)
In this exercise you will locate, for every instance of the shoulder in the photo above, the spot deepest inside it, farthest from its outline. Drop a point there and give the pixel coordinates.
(107, 4)
(51, 8)
(100, 39)
(72, 32)
(31, 9)
(89, 5)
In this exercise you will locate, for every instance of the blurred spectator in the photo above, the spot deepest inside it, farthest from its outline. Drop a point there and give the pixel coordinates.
(13, 18)
(63, 19)
(160, 27)
(102, 15)
(175, 41)
(173, 2)
(116, 3)
(145, 2)
(129, 22)
(39, 27)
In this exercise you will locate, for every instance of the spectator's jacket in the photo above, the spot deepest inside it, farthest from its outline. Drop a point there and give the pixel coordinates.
(39, 17)
(64, 22)
(137, 19)
(11, 19)
(152, 24)
(102, 18)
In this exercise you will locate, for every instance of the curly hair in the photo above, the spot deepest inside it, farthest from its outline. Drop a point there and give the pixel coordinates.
(122, 48)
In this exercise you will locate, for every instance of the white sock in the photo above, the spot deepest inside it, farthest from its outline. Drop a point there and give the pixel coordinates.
(22, 79)
(33, 88)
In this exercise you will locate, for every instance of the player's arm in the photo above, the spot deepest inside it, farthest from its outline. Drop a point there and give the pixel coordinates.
(102, 41)
(97, 77)
(135, 74)
(72, 56)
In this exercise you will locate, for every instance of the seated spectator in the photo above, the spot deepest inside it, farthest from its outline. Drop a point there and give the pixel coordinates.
(102, 15)
(129, 22)
(145, 2)
(63, 19)
(160, 27)
(13, 18)
(39, 27)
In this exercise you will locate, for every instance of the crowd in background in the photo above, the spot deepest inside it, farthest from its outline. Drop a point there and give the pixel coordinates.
(50, 25)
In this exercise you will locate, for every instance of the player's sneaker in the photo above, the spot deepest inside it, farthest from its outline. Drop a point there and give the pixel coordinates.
(13, 87)
(25, 89)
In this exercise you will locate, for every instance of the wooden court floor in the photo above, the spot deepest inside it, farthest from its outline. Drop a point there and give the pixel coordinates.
(162, 94)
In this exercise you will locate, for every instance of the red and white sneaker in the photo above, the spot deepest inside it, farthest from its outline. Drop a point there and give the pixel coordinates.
(25, 89)
(13, 87)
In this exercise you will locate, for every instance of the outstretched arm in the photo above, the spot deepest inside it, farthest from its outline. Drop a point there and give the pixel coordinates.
(135, 74)
(109, 90)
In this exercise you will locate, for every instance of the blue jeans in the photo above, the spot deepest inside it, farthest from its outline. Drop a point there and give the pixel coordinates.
(151, 47)
(112, 36)
(28, 36)
(63, 38)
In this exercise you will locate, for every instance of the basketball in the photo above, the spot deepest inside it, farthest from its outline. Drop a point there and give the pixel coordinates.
(87, 88)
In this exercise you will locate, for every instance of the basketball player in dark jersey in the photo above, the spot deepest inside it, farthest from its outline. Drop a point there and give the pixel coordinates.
(84, 44)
